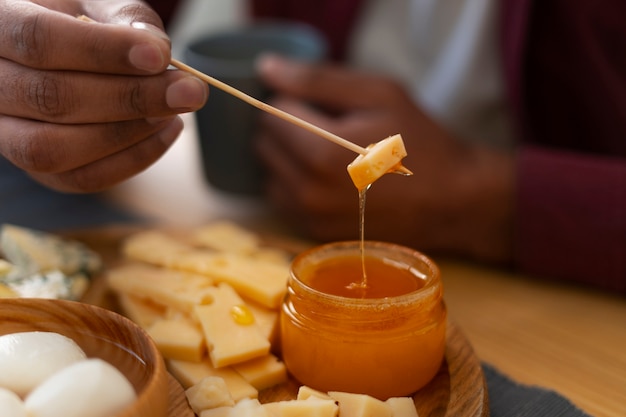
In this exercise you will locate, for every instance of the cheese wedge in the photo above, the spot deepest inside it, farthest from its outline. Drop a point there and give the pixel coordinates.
(154, 247)
(141, 311)
(262, 281)
(176, 289)
(402, 407)
(229, 328)
(305, 392)
(382, 157)
(191, 373)
(210, 392)
(178, 338)
(313, 407)
(263, 372)
(218, 412)
(226, 236)
(360, 405)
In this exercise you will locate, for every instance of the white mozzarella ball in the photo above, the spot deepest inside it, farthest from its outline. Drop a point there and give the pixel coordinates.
(11, 404)
(28, 358)
(91, 388)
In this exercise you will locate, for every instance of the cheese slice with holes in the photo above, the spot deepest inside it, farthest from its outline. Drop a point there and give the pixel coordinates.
(229, 327)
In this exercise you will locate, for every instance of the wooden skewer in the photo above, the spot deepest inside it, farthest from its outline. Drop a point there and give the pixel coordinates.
(269, 109)
(400, 169)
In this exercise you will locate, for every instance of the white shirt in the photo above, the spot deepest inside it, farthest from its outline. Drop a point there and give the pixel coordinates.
(443, 51)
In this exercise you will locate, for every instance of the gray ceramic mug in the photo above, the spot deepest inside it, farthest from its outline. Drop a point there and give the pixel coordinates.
(227, 124)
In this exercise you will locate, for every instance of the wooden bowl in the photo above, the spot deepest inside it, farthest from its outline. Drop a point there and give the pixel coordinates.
(101, 334)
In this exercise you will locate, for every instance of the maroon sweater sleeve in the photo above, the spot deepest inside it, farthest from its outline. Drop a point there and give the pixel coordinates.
(567, 78)
(571, 221)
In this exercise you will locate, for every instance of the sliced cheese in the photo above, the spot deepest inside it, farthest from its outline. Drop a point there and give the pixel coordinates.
(360, 405)
(177, 289)
(218, 412)
(210, 392)
(313, 407)
(178, 338)
(229, 338)
(263, 372)
(305, 392)
(267, 320)
(227, 236)
(154, 247)
(382, 157)
(191, 373)
(262, 281)
(402, 407)
(141, 311)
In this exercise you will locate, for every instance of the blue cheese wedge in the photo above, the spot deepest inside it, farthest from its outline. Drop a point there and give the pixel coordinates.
(43, 265)
(39, 251)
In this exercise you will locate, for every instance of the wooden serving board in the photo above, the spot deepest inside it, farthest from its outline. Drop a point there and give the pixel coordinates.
(458, 390)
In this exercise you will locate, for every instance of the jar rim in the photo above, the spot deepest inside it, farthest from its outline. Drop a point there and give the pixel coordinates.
(432, 280)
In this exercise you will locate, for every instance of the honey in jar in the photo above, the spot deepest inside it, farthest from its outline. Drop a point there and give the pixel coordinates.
(382, 333)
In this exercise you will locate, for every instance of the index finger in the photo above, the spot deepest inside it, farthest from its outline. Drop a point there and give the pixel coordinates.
(38, 37)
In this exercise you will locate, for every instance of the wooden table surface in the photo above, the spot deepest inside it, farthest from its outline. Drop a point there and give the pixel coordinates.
(565, 338)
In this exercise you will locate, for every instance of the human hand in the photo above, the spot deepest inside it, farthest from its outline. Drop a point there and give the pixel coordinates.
(83, 105)
(458, 200)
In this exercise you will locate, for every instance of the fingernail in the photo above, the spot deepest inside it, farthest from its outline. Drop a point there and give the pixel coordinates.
(186, 94)
(147, 57)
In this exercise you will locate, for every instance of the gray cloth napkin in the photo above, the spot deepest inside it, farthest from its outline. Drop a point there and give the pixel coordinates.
(510, 399)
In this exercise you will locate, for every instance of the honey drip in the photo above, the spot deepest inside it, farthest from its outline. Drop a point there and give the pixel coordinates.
(363, 284)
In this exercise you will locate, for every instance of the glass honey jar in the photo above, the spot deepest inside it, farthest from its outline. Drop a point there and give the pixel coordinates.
(374, 325)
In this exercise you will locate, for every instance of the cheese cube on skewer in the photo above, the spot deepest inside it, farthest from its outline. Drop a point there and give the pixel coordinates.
(382, 157)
